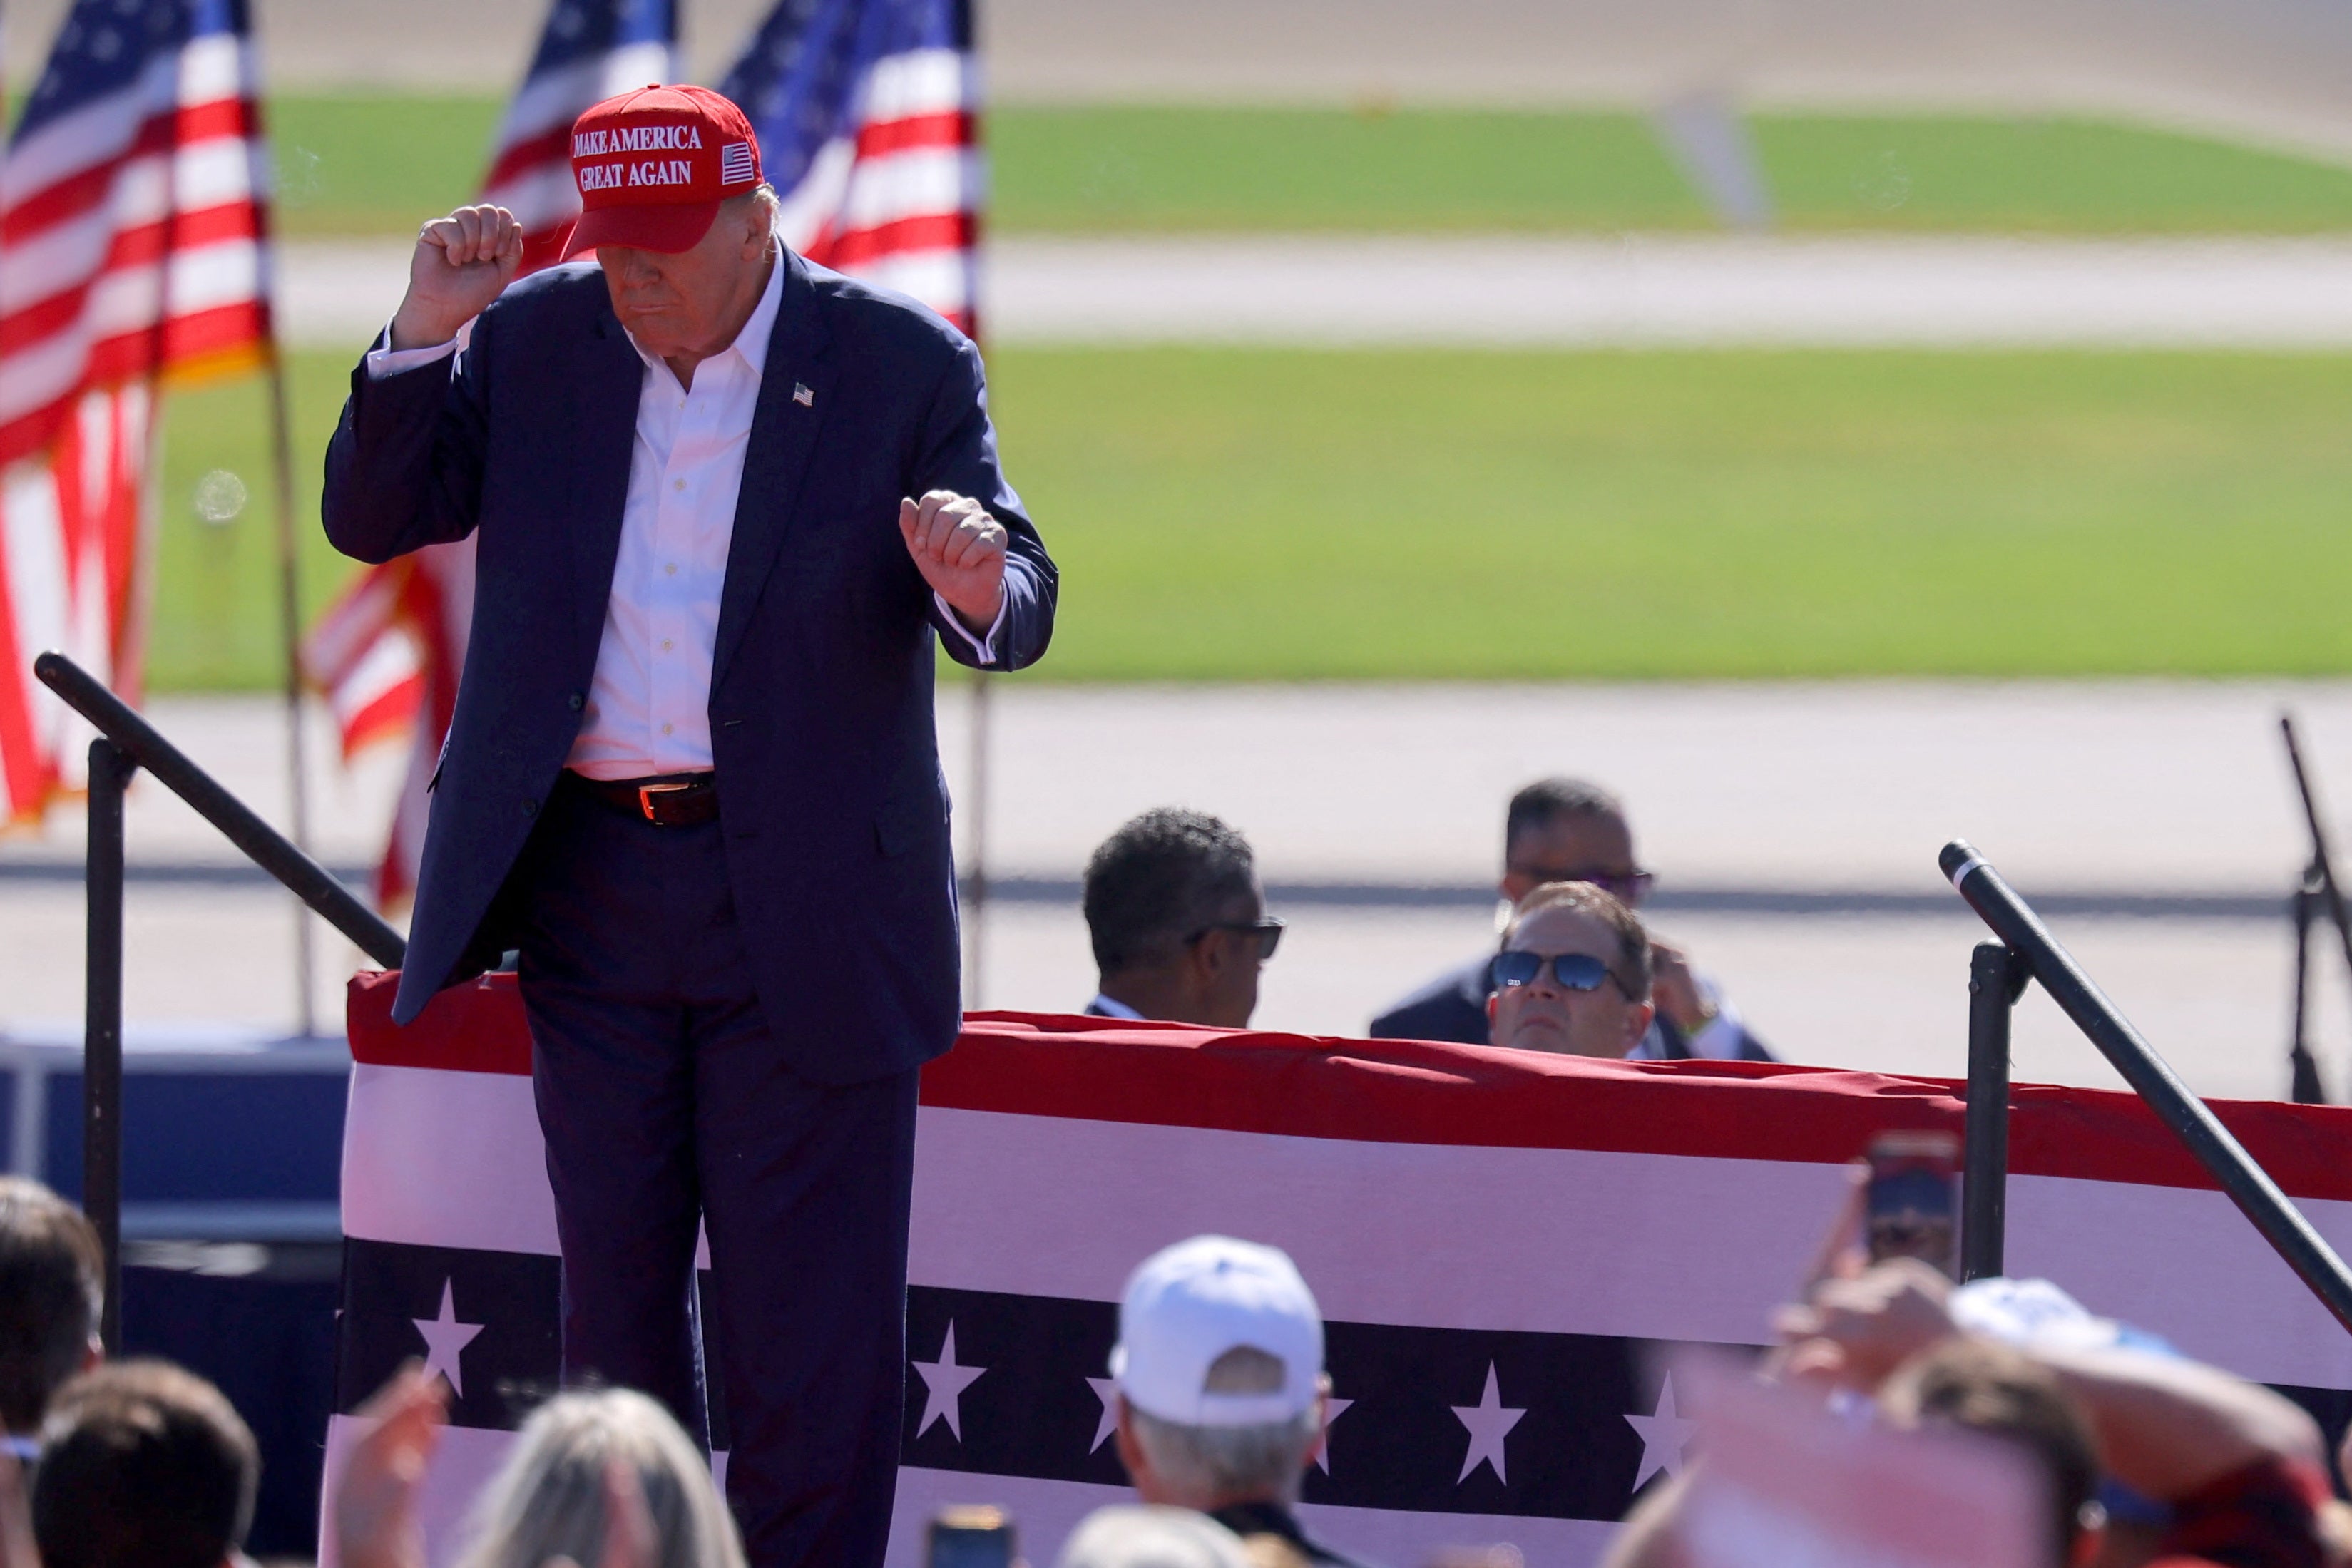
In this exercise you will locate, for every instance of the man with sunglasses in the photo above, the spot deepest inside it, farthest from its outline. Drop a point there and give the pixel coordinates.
(1176, 921)
(1573, 976)
(1565, 829)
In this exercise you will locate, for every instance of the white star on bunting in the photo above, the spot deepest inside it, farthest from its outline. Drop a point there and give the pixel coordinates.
(446, 1339)
(1103, 1388)
(1333, 1408)
(1489, 1422)
(944, 1383)
(1664, 1435)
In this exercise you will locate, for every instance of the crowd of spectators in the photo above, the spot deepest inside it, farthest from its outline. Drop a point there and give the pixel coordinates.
(1177, 919)
(1221, 1404)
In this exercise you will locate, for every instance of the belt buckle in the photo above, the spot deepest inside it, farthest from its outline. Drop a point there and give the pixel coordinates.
(645, 793)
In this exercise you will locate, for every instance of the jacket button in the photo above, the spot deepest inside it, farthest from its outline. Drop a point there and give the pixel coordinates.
(530, 806)
(575, 701)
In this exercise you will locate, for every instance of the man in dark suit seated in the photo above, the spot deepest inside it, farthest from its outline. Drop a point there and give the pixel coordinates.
(727, 507)
(1564, 830)
(1176, 921)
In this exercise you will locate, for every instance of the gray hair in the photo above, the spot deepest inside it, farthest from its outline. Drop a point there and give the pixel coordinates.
(1230, 1462)
(548, 1501)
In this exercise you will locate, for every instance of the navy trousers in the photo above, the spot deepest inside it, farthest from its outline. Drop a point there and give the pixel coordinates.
(665, 1101)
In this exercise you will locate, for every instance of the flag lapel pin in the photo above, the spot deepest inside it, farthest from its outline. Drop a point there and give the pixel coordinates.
(802, 396)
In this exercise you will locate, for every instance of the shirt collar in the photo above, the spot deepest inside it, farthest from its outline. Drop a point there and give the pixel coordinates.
(752, 343)
(1111, 1006)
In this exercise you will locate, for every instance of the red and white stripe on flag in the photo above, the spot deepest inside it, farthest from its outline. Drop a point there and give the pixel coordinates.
(387, 653)
(1469, 1219)
(895, 199)
(530, 174)
(132, 246)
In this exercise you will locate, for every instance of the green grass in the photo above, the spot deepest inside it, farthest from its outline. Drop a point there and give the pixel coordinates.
(2057, 175)
(1272, 515)
(1175, 169)
(380, 164)
(215, 625)
(363, 164)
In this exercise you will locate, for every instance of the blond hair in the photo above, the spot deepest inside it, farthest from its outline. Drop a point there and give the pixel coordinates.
(548, 1500)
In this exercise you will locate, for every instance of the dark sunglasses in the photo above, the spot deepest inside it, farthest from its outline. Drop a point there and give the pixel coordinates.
(1268, 931)
(1628, 890)
(1574, 971)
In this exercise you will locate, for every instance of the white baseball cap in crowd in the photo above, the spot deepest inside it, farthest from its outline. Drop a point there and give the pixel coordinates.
(1189, 1305)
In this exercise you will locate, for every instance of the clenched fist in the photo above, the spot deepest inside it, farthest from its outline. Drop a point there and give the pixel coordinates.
(461, 263)
(959, 551)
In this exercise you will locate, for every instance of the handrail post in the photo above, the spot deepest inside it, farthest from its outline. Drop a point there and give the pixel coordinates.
(1996, 977)
(2302, 1248)
(102, 1062)
(262, 845)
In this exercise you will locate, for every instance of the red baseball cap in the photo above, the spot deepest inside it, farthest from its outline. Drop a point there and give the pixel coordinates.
(654, 165)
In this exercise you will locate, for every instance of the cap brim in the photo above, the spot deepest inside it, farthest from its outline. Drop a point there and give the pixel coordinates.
(668, 229)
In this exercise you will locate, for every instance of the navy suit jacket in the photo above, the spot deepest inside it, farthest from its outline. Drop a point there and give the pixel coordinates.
(831, 802)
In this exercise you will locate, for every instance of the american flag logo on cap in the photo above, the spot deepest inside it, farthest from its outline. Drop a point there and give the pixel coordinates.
(735, 163)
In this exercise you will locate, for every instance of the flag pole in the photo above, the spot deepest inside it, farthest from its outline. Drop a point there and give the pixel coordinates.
(290, 627)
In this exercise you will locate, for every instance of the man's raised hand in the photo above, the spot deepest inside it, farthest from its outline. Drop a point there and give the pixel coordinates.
(461, 263)
(959, 551)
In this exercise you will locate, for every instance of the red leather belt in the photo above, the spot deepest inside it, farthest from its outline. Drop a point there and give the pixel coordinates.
(672, 800)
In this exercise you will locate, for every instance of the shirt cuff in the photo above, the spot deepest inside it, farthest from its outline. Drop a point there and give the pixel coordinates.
(386, 361)
(983, 646)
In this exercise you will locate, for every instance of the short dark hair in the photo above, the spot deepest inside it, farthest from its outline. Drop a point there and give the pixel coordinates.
(52, 1290)
(1158, 880)
(1989, 1388)
(1547, 800)
(1632, 967)
(143, 1465)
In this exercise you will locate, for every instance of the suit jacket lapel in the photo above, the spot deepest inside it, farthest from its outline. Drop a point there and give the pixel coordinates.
(783, 438)
(608, 381)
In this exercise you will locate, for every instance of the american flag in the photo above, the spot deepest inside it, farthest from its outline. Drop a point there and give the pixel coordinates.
(867, 113)
(388, 652)
(133, 243)
(1506, 1244)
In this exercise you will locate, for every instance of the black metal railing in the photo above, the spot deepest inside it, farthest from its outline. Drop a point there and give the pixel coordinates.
(1997, 973)
(129, 743)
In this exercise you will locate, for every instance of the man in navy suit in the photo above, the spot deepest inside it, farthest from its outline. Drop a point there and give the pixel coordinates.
(1565, 829)
(723, 500)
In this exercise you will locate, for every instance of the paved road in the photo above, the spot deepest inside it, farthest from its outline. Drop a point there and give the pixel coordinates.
(2166, 789)
(1632, 291)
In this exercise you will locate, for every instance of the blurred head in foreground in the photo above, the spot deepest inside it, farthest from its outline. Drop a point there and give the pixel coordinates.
(143, 1466)
(1573, 976)
(1220, 1374)
(51, 1292)
(1979, 1386)
(1176, 921)
(555, 1496)
(1126, 1536)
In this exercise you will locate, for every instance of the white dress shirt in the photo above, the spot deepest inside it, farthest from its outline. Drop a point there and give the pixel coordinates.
(648, 709)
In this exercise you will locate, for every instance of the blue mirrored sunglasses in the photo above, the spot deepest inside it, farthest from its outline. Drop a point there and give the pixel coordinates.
(1574, 971)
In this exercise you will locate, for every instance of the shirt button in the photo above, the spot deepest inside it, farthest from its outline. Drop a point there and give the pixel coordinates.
(677, 483)
(666, 729)
(576, 700)
(670, 569)
(665, 644)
